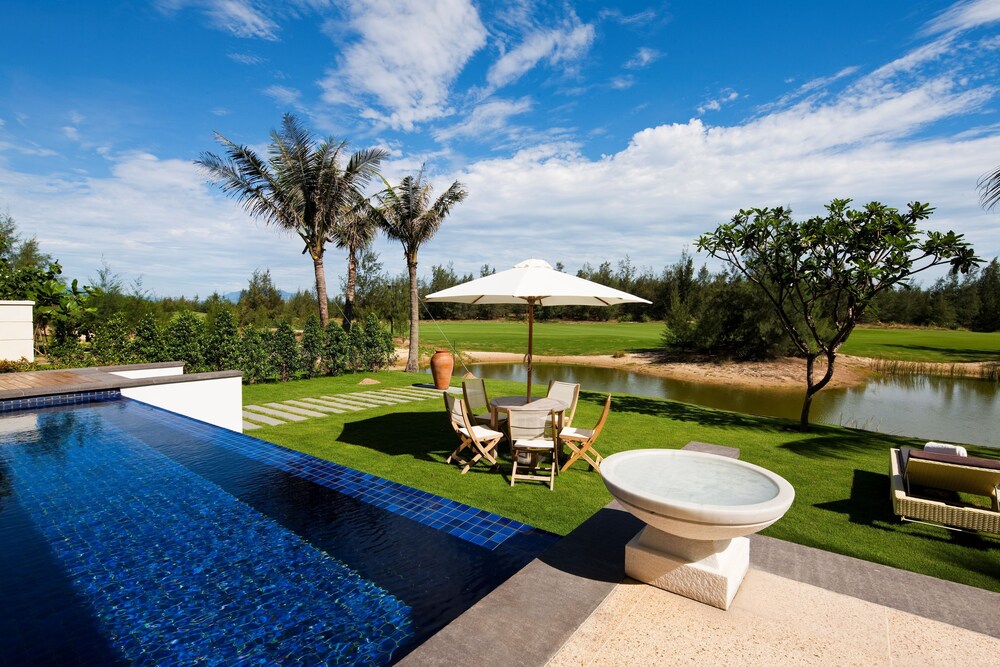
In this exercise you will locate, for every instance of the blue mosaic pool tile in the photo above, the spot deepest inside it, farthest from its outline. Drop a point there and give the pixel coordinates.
(11, 405)
(468, 523)
(173, 567)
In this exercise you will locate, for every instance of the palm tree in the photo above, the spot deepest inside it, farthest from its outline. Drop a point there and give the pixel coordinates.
(355, 231)
(300, 188)
(989, 189)
(405, 213)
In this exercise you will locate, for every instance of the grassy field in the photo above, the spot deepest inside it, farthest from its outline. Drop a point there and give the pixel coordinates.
(934, 345)
(582, 338)
(842, 491)
(550, 338)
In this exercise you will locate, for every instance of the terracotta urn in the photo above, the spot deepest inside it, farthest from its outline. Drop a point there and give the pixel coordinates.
(442, 364)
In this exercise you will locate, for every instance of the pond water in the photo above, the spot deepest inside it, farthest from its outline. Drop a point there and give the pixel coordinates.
(938, 408)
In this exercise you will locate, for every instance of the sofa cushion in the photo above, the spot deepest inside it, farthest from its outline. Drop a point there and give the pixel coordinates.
(968, 461)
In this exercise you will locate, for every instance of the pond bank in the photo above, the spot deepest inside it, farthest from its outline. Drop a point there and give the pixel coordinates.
(786, 372)
(781, 373)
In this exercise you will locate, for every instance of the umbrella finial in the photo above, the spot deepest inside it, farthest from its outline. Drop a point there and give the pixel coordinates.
(533, 264)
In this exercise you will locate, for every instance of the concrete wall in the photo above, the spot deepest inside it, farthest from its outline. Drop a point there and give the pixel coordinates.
(17, 330)
(214, 400)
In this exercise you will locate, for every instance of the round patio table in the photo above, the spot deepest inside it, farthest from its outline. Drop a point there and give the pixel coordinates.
(514, 402)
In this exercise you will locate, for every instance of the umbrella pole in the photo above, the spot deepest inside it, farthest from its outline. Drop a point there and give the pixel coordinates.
(531, 327)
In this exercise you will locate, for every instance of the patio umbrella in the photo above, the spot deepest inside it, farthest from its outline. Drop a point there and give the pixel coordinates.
(536, 283)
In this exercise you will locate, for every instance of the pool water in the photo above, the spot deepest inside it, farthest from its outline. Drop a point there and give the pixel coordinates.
(130, 535)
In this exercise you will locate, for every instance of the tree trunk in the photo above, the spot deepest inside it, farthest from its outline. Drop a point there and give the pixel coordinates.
(813, 388)
(324, 315)
(349, 291)
(411, 359)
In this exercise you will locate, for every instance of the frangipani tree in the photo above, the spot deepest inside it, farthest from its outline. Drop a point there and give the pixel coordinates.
(822, 274)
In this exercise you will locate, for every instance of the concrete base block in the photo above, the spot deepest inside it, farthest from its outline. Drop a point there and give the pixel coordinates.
(709, 572)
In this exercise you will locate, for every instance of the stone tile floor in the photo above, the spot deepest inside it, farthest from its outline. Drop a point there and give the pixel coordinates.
(773, 621)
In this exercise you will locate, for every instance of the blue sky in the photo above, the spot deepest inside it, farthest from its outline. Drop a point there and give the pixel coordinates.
(584, 131)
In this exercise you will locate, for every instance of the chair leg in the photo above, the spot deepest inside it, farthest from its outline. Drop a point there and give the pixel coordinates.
(553, 471)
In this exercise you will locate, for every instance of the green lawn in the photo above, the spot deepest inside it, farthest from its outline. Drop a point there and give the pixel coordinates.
(842, 494)
(550, 338)
(580, 338)
(935, 345)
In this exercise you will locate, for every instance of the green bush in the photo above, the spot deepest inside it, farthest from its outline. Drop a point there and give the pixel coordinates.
(185, 335)
(286, 353)
(312, 346)
(336, 350)
(112, 341)
(148, 344)
(255, 355)
(376, 350)
(223, 351)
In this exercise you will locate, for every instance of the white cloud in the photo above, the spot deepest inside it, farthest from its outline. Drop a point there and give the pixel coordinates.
(406, 59)
(151, 217)
(71, 133)
(246, 58)
(237, 17)
(487, 119)
(622, 82)
(563, 44)
(676, 181)
(285, 95)
(644, 57)
(715, 104)
(963, 16)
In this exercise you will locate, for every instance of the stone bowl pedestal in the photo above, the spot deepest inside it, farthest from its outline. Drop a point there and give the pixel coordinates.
(698, 508)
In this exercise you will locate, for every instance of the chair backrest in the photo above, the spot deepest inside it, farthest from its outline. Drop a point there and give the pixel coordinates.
(603, 419)
(456, 411)
(474, 391)
(527, 424)
(568, 393)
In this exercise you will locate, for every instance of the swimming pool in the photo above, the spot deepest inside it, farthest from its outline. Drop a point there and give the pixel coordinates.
(131, 535)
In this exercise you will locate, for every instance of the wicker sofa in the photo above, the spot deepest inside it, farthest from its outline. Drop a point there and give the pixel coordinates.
(913, 471)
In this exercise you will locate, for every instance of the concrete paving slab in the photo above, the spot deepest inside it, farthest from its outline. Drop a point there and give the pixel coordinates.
(280, 414)
(249, 426)
(314, 406)
(294, 410)
(262, 418)
(338, 404)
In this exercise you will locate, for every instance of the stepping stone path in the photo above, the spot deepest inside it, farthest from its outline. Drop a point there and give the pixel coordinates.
(302, 409)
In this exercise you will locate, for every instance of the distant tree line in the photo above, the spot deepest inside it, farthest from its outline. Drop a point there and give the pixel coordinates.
(704, 312)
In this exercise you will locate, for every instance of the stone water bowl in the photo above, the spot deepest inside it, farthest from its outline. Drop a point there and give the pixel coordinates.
(698, 508)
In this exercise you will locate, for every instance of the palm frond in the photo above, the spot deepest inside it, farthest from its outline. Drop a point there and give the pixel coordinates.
(989, 189)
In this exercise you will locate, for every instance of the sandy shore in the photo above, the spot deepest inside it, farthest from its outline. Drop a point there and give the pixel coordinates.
(787, 372)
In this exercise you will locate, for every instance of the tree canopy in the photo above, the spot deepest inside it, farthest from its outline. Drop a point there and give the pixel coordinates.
(820, 275)
(302, 186)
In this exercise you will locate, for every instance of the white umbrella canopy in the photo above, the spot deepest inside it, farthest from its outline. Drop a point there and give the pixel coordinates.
(533, 282)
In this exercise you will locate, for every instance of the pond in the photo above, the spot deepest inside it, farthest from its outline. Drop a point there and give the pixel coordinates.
(935, 408)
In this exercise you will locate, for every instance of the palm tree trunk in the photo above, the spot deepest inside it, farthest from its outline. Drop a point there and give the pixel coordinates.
(324, 315)
(349, 291)
(411, 359)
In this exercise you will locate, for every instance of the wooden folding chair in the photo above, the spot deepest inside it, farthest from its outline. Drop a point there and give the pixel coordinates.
(481, 441)
(478, 404)
(581, 440)
(568, 393)
(530, 439)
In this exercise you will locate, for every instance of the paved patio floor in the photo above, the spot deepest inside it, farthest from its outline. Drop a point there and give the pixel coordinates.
(773, 621)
